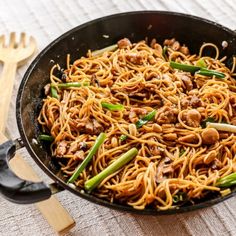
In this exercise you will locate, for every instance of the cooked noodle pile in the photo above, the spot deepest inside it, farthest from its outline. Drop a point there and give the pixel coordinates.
(179, 158)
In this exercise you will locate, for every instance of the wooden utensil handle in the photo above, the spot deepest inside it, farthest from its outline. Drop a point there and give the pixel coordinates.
(7, 83)
(51, 209)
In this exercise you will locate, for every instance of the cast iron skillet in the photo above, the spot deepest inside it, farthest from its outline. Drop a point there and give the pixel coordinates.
(190, 30)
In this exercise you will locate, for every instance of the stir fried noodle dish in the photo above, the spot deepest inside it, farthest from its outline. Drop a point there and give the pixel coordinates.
(144, 124)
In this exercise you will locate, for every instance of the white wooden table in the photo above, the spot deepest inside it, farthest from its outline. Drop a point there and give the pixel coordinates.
(46, 20)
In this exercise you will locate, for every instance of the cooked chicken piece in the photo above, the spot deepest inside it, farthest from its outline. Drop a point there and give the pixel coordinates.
(135, 58)
(89, 127)
(61, 148)
(79, 155)
(187, 81)
(124, 43)
(169, 42)
(135, 112)
(192, 101)
(167, 80)
(175, 46)
(184, 50)
(153, 42)
(97, 127)
(166, 115)
(216, 164)
(184, 102)
(195, 102)
(72, 148)
(151, 60)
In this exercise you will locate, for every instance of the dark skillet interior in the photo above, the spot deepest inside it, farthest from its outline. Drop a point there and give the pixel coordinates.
(189, 30)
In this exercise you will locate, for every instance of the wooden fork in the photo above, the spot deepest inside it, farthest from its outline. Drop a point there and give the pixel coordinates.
(12, 55)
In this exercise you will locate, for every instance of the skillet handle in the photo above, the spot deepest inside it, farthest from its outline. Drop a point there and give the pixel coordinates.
(14, 188)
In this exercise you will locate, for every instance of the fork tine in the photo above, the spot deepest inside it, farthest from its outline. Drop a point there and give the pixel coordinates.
(22, 40)
(12, 42)
(2, 41)
(32, 42)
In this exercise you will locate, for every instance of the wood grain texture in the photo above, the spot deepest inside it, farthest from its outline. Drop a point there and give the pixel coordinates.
(13, 56)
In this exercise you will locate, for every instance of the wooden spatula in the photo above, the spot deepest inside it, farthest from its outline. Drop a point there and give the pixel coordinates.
(12, 56)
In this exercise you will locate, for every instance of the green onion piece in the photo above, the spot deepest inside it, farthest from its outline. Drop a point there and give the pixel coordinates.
(116, 165)
(184, 67)
(45, 137)
(72, 84)
(106, 49)
(222, 127)
(227, 181)
(54, 93)
(123, 137)
(199, 70)
(99, 141)
(164, 51)
(141, 122)
(201, 63)
(145, 119)
(210, 73)
(112, 107)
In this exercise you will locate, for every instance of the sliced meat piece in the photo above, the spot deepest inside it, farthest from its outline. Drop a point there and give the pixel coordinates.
(89, 127)
(97, 127)
(166, 115)
(72, 148)
(61, 148)
(187, 81)
(124, 43)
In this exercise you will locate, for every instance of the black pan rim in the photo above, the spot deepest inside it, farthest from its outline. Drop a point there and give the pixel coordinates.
(84, 195)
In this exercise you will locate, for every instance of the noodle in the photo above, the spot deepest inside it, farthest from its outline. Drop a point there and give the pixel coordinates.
(179, 160)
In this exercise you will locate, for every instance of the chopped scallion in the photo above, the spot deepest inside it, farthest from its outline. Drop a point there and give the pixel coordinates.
(145, 119)
(106, 49)
(116, 165)
(72, 84)
(54, 93)
(45, 137)
(99, 141)
(222, 127)
(227, 181)
(196, 69)
(112, 107)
